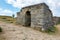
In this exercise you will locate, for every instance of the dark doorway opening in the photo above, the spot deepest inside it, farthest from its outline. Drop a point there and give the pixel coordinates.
(28, 19)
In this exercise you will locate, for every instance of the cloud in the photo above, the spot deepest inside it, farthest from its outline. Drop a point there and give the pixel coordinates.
(6, 12)
(23, 3)
(53, 4)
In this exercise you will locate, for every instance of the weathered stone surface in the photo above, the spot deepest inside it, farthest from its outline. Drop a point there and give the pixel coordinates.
(40, 16)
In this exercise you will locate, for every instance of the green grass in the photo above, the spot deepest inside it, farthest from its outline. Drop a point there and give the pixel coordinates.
(7, 19)
(58, 23)
(51, 30)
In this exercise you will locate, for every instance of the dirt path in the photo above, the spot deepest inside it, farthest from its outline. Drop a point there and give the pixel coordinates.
(14, 32)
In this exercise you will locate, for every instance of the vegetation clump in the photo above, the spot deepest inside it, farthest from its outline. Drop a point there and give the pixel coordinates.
(0, 29)
(51, 30)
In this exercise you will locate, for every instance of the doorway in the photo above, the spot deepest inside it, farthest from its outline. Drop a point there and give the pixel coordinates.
(28, 19)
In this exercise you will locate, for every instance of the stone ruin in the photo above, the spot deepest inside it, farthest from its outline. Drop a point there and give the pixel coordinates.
(37, 16)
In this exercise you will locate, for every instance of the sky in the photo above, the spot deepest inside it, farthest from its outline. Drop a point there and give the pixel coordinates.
(10, 7)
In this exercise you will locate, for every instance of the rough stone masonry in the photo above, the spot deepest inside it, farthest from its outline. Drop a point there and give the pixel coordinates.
(37, 16)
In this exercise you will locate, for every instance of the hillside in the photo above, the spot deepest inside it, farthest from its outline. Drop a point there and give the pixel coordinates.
(7, 19)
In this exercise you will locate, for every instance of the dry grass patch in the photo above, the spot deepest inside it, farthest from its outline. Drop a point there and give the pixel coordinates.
(7, 19)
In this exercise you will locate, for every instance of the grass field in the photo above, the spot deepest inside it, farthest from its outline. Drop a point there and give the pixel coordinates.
(8, 19)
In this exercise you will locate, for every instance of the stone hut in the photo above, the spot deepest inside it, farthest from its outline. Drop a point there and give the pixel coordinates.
(36, 16)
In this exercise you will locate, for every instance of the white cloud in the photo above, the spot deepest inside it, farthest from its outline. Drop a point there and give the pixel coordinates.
(58, 4)
(6, 12)
(10, 1)
(54, 4)
(22, 3)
